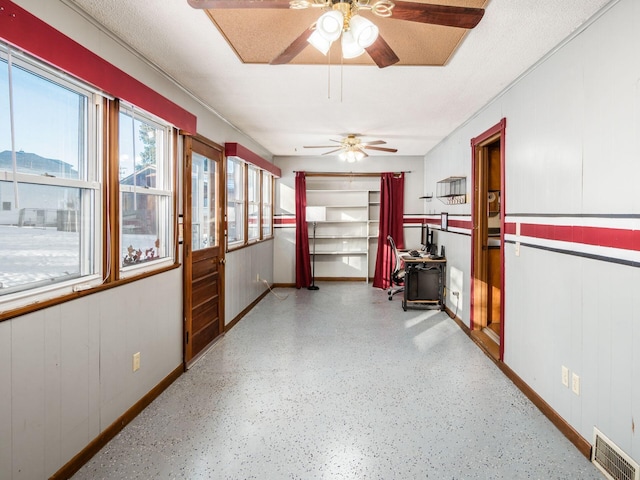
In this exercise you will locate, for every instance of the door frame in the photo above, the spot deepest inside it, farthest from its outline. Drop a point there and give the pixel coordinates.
(187, 253)
(478, 230)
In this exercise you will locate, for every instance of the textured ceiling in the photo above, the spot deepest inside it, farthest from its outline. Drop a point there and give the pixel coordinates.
(259, 35)
(284, 107)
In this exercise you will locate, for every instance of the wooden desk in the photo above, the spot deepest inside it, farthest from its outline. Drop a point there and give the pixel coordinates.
(424, 282)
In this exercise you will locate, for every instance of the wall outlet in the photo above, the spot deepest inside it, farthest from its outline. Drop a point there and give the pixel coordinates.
(575, 384)
(136, 361)
(565, 376)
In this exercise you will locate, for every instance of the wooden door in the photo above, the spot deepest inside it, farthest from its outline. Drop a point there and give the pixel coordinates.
(203, 246)
(487, 239)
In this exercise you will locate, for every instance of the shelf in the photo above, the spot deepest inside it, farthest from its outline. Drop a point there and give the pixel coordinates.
(341, 253)
(452, 190)
(346, 245)
(340, 221)
(334, 237)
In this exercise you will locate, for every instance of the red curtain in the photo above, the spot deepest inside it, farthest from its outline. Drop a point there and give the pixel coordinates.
(303, 260)
(391, 223)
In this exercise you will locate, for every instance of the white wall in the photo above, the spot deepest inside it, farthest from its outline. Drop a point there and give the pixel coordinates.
(572, 150)
(66, 371)
(244, 274)
(285, 238)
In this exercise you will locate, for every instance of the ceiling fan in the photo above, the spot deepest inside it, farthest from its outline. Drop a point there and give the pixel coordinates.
(352, 149)
(342, 19)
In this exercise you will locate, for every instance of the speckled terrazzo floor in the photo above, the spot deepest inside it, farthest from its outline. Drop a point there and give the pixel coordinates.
(340, 383)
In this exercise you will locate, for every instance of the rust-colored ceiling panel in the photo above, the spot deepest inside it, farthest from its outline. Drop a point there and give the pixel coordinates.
(260, 35)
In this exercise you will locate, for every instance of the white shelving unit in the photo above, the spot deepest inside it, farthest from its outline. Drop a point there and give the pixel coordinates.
(347, 240)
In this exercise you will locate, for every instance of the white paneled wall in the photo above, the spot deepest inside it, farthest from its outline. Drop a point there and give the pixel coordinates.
(572, 149)
(66, 371)
(242, 270)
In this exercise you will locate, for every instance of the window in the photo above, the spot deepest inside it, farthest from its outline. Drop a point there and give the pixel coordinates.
(203, 196)
(267, 204)
(249, 203)
(146, 196)
(253, 203)
(235, 202)
(50, 191)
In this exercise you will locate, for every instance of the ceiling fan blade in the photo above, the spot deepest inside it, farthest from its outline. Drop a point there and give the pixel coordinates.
(363, 152)
(294, 49)
(213, 4)
(382, 149)
(332, 151)
(449, 16)
(374, 142)
(381, 53)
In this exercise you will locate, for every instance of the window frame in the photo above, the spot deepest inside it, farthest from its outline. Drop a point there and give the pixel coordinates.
(239, 240)
(166, 193)
(270, 180)
(254, 199)
(245, 241)
(89, 184)
(98, 178)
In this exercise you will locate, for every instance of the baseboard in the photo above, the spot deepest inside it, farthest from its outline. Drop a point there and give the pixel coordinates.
(73, 465)
(560, 423)
(238, 317)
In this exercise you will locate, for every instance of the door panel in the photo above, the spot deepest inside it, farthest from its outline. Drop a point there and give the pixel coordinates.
(203, 252)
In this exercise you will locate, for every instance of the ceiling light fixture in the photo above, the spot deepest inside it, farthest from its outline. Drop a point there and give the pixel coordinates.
(357, 32)
(351, 155)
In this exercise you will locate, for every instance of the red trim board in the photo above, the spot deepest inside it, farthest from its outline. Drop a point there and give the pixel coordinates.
(237, 150)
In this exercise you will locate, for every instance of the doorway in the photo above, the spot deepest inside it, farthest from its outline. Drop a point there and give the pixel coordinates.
(203, 252)
(487, 272)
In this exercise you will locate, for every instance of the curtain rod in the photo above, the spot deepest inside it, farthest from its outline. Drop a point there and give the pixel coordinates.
(345, 174)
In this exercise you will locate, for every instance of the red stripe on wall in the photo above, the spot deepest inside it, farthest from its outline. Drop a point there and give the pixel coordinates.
(26, 32)
(601, 236)
(460, 223)
(284, 221)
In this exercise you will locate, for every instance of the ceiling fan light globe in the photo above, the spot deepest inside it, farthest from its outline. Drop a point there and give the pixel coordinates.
(343, 156)
(350, 48)
(319, 42)
(364, 31)
(358, 155)
(330, 25)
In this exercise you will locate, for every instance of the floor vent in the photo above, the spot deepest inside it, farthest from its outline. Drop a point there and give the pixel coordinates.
(613, 462)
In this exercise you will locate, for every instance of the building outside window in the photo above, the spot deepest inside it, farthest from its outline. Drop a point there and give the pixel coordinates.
(146, 192)
(50, 190)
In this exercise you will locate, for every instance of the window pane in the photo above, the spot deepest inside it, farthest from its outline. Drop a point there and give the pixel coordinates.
(253, 208)
(50, 123)
(5, 128)
(235, 201)
(203, 198)
(141, 151)
(48, 239)
(254, 221)
(267, 191)
(145, 228)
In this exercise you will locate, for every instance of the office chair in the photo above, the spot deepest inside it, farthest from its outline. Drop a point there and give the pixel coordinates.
(397, 271)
